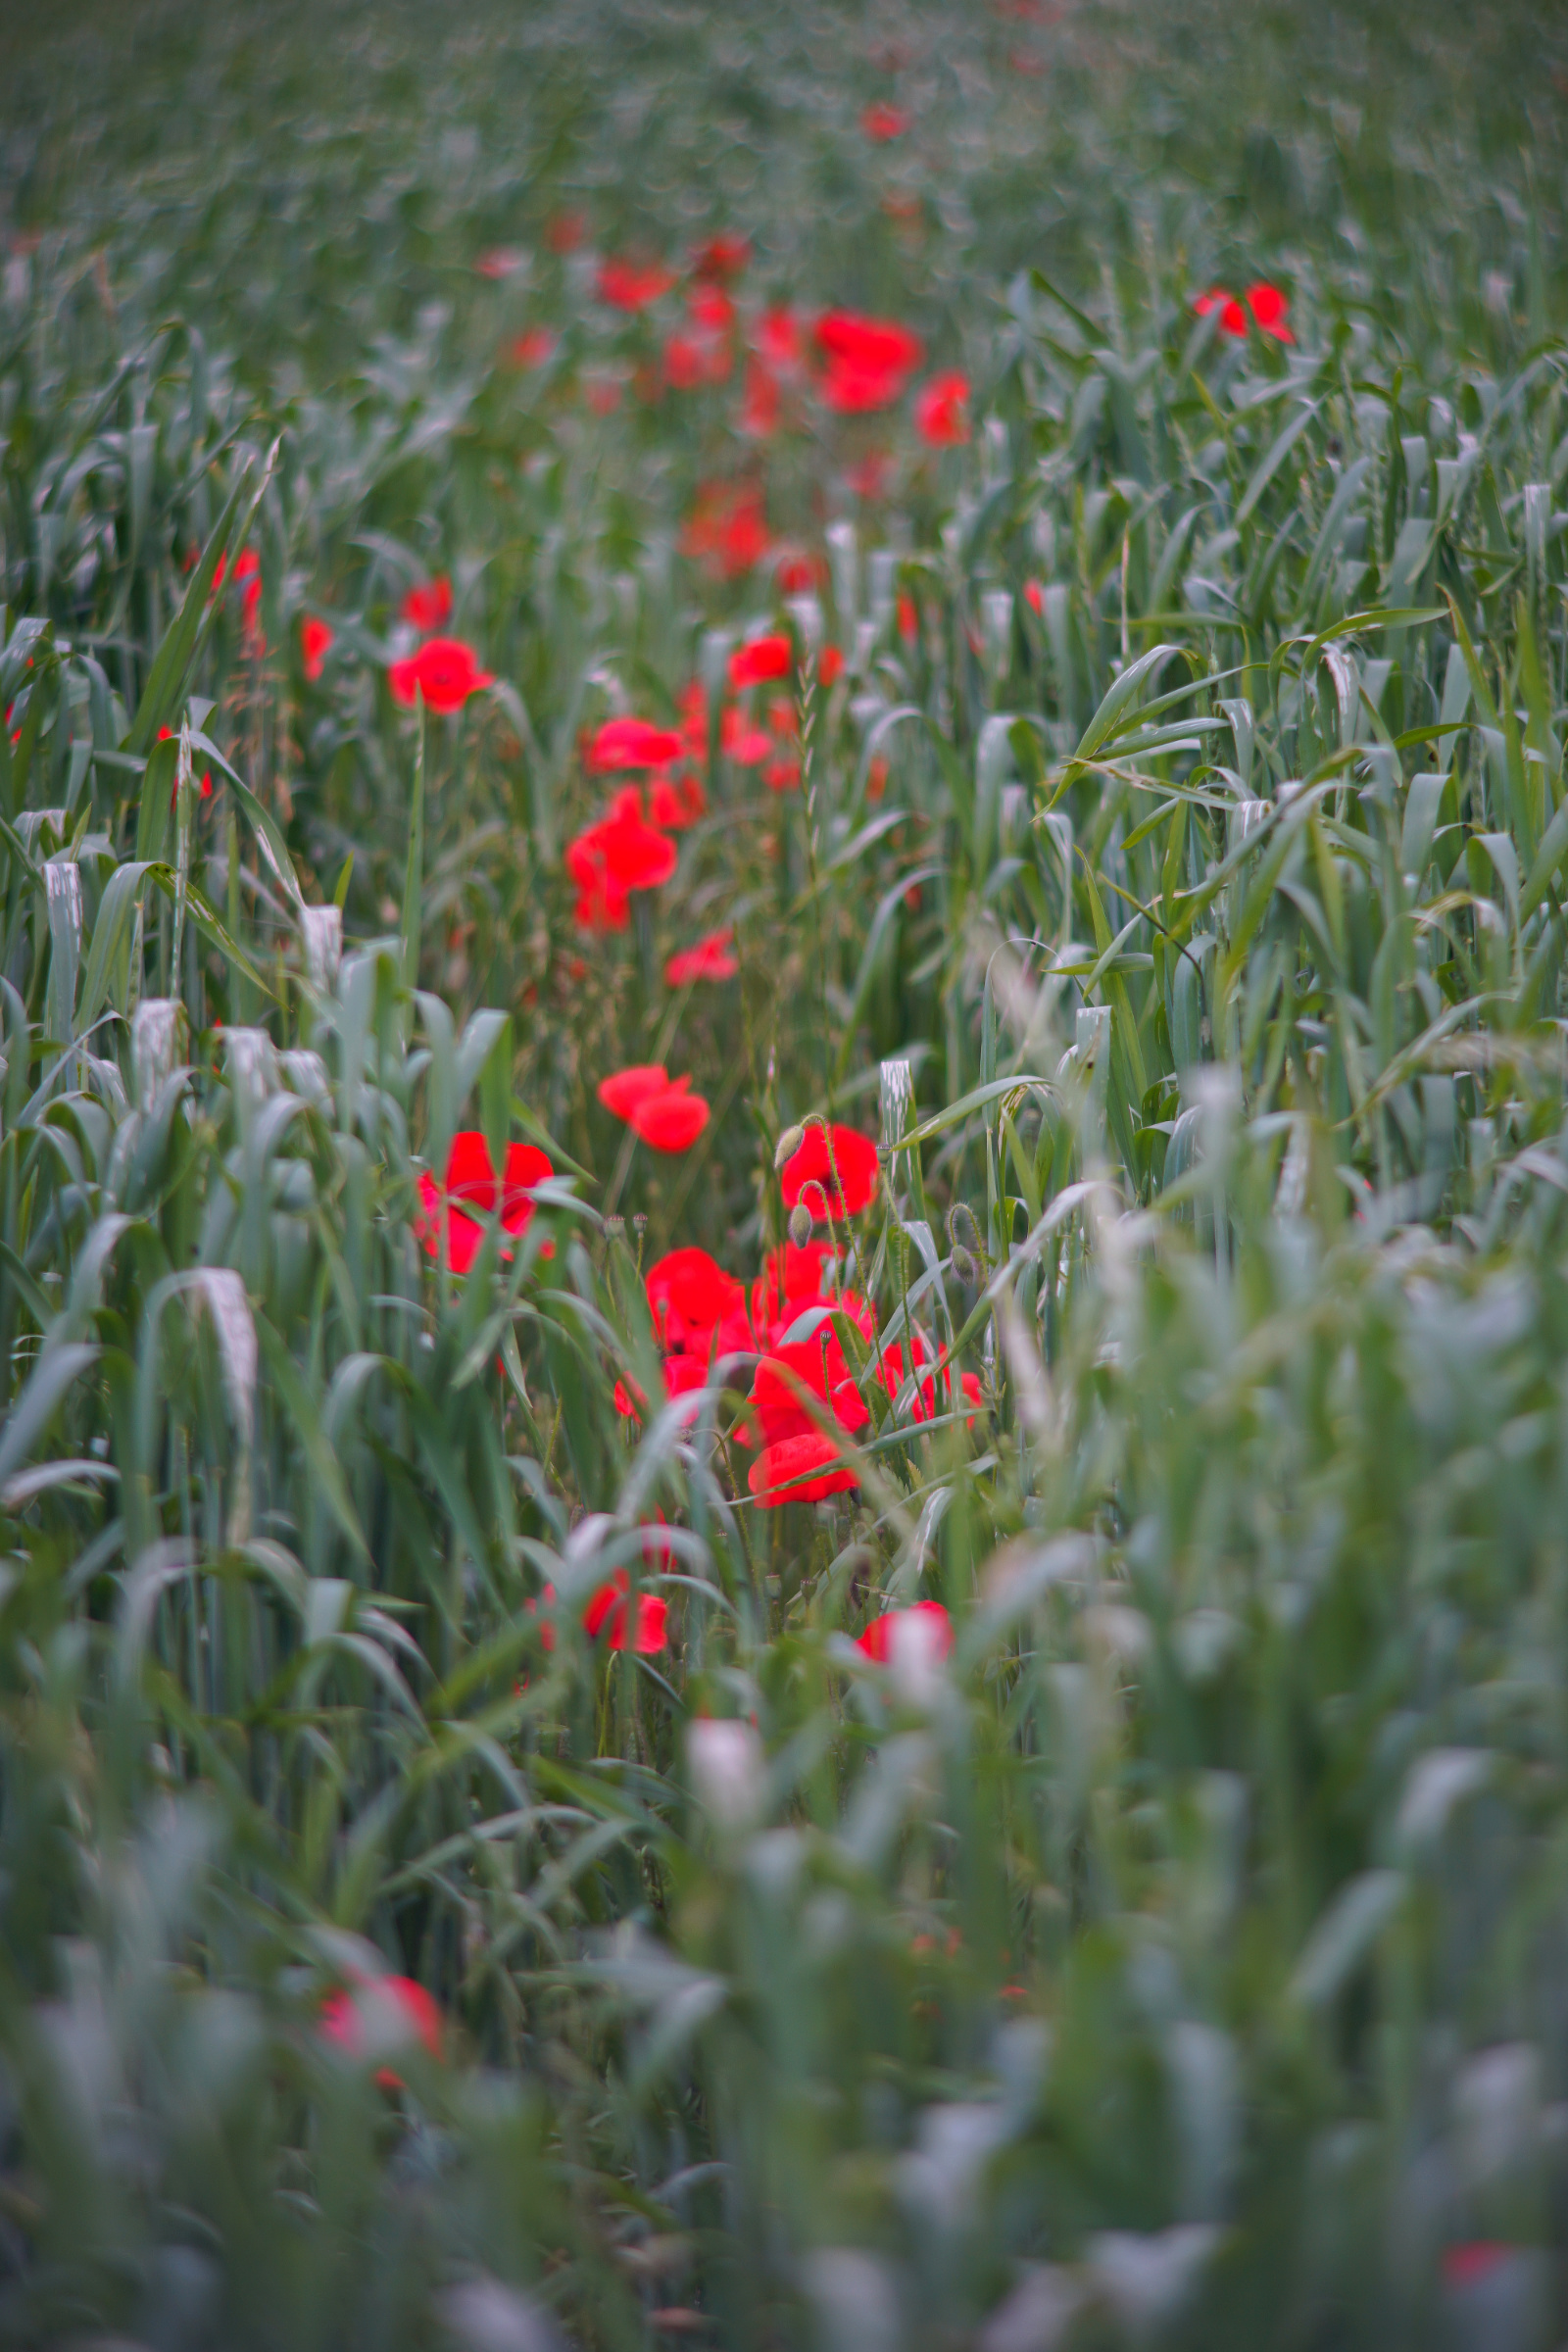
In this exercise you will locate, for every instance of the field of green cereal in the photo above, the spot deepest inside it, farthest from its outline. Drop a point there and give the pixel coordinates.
(783, 1178)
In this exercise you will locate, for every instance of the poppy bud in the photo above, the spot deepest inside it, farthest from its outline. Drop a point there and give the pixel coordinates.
(964, 1268)
(799, 1224)
(789, 1143)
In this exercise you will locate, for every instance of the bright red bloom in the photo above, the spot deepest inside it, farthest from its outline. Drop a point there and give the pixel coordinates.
(853, 1155)
(762, 658)
(444, 671)
(909, 620)
(746, 745)
(852, 391)
(676, 802)
(1034, 595)
(723, 256)
(623, 1090)
(633, 743)
(817, 1365)
(349, 2019)
(316, 643)
(247, 565)
(672, 1121)
(881, 121)
(877, 1639)
(532, 347)
(727, 530)
(879, 345)
(470, 1183)
(428, 607)
(1267, 305)
(941, 409)
(799, 573)
(632, 286)
(620, 854)
(800, 1469)
(607, 1612)
(711, 959)
(830, 665)
(689, 1296)
(802, 1278)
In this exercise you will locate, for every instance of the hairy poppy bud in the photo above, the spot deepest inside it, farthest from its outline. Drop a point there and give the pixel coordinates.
(789, 1143)
(964, 1268)
(799, 1224)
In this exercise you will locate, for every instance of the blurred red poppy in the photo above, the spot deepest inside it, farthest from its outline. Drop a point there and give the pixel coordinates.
(782, 775)
(723, 256)
(376, 2010)
(246, 566)
(830, 665)
(607, 1613)
(909, 619)
(762, 658)
(620, 854)
(711, 959)
(1034, 595)
(726, 529)
(672, 1121)
(880, 345)
(1267, 305)
(470, 1183)
(429, 606)
(747, 745)
(676, 802)
(800, 1469)
(250, 607)
(941, 409)
(817, 1365)
(316, 643)
(628, 285)
(879, 1636)
(693, 705)
(623, 1090)
(633, 743)
(882, 122)
(846, 1171)
(532, 347)
(444, 671)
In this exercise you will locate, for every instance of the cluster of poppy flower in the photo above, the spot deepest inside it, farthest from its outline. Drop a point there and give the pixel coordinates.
(660, 1110)
(700, 1313)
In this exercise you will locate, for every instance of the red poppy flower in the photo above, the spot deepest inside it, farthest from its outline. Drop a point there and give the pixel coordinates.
(854, 1159)
(632, 286)
(247, 565)
(689, 1296)
(672, 1121)
(941, 409)
(623, 1090)
(1267, 305)
(565, 231)
(800, 1469)
(800, 1271)
(880, 346)
(250, 607)
(782, 775)
(816, 1364)
(607, 1613)
(748, 746)
(762, 658)
(377, 2010)
(316, 643)
(711, 959)
(428, 607)
(470, 1183)
(881, 121)
(633, 743)
(726, 530)
(693, 703)
(444, 671)
(165, 735)
(532, 347)
(1034, 595)
(861, 391)
(723, 256)
(909, 620)
(781, 341)
(759, 410)
(676, 802)
(620, 854)
(830, 665)
(880, 1637)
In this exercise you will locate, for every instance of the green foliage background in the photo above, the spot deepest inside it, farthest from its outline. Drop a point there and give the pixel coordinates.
(1185, 1964)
